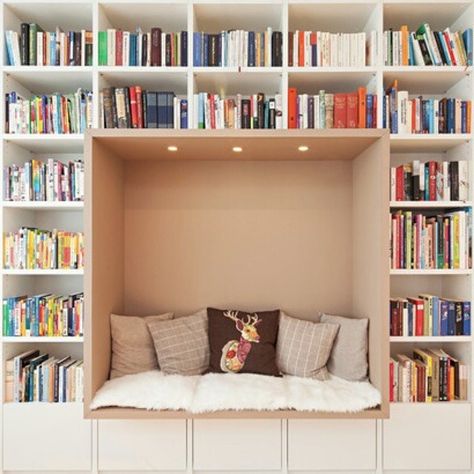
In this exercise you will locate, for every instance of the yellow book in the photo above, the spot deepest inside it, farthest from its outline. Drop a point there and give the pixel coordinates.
(404, 36)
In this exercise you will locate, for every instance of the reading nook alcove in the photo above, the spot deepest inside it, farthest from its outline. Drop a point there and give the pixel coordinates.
(291, 219)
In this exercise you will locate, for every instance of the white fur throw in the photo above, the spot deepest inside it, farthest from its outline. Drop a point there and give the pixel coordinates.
(212, 392)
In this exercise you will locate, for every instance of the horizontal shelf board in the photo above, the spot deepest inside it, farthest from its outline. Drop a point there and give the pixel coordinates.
(425, 79)
(45, 205)
(430, 339)
(427, 142)
(48, 143)
(452, 402)
(429, 204)
(430, 272)
(26, 340)
(236, 69)
(44, 272)
(144, 69)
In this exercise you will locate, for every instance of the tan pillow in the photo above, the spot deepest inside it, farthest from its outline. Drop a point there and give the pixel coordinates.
(182, 344)
(132, 345)
(349, 355)
(304, 347)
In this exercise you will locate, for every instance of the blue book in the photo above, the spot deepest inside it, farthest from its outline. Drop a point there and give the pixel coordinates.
(197, 49)
(201, 109)
(205, 50)
(467, 38)
(463, 116)
(8, 41)
(151, 109)
(442, 40)
(369, 108)
(444, 310)
(183, 113)
(411, 55)
(466, 318)
(435, 316)
(384, 113)
(184, 48)
(450, 115)
(161, 102)
(251, 49)
(451, 318)
(170, 109)
(411, 309)
(427, 184)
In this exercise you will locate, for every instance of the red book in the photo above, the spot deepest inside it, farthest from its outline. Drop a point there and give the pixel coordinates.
(301, 48)
(351, 110)
(133, 106)
(156, 47)
(118, 47)
(450, 49)
(400, 184)
(340, 111)
(419, 311)
(292, 107)
(312, 41)
(138, 91)
(362, 93)
(212, 110)
(290, 48)
(432, 167)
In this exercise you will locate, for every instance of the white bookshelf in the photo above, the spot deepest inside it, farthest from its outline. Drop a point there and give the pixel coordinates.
(96, 442)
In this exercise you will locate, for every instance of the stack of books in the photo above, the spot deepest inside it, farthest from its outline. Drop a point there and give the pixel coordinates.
(155, 48)
(55, 113)
(429, 315)
(37, 180)
(319, 48)
(324, 110)
(35, 249)
(431, 375)
(404, 115)
(45, 315)
(132, 107)
(425, 47)
(35, 47)
(425, 241)
(238, 48)
(256, 111)
(35, 377)
(430, 181)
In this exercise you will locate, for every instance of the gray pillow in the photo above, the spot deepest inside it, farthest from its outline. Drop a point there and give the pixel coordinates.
(182, 344)
(303, 347)
(348, 358)
(132, 345)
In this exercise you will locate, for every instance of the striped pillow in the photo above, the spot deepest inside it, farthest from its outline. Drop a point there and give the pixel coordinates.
(182, 344)
(304, 347)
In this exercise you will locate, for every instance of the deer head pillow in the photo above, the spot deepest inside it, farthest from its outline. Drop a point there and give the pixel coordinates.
(243, 342)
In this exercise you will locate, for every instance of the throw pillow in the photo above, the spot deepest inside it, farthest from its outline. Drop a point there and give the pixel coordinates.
(349, 355)
(132, 345)
(304, 347)
(182, 344)
(242, 341)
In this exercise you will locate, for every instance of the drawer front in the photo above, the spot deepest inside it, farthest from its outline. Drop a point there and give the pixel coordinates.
(142, 445)
(427, 436)
(46, 437)
(237, 445)
(325, 445)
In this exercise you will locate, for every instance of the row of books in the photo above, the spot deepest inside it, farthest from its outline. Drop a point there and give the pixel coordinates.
(430, 181)
(54, 113)
(424, 115)
(132, 107)
(424, 241)
(324, 110)
(257, 111)
(37, 180)
(319, 48)
(430, 375)
(45, 315)
(429, 315)
(33, 249)
(35, 377)
(425, 47)
(238, 48)
(154, 48)
(35, 47)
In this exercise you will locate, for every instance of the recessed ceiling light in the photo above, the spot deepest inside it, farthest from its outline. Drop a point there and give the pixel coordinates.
(172, 148)
(303, 148)
(237, 149)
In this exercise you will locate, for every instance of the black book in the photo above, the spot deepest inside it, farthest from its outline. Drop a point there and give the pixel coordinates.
(260, 110)
(440, 48)
(311, 112)
(144, 109)
(168, 39)
(459, 318)
(7, 115)
(277, 56)
(245, 118)
(114, 109)
(212, 50)
(454, 180)
(408, 185)
(184, 48)
(144, 49)
(425, 52)
(271, 113)
(25, 44)
(77, 48)
(128, 107)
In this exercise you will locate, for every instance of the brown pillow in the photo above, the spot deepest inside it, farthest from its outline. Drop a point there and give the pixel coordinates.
(304, 347)
(242, 341)
(132, 345)
(182, 345)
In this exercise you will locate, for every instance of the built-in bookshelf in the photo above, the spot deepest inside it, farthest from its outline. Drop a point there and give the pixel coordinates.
(186, 80)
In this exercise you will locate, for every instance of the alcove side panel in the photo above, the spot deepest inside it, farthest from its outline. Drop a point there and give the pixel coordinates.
(103, 222)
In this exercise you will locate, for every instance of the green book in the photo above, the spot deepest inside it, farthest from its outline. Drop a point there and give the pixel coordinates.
(102, 48)
(34, 28)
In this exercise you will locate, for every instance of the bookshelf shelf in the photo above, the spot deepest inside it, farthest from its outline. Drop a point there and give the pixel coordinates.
(44, 340)
(79, 272)
(45, 206)
(430, 272)
(424, 339)
(429, 204)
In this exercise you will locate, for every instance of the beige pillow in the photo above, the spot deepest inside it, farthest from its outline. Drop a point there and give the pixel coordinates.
(303, 347)
(182, 344)
(349, 355)
(132, 345)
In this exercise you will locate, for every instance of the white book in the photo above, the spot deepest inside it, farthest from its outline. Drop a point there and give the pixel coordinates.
(163, 49)
(268, 46)
(402, 116)
(419, 61)
(148, 49)
(446, 183)
(39, 49)
(304, 110)
(307, 48)
(245, 61)
(457, 116)
(83, 47)
(110, 47)
(195, 123)
(279, 111)
(176, 113)
(62, 49)
(317, 106)
(393, 184)
(140, 50)
(16, 48)
(463, 172)
(238, 108)
(385, 49)
(436, 116)
(126, 48)
(422, 178)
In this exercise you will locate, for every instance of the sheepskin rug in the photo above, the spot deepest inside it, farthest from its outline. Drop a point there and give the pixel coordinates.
(213, 392)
